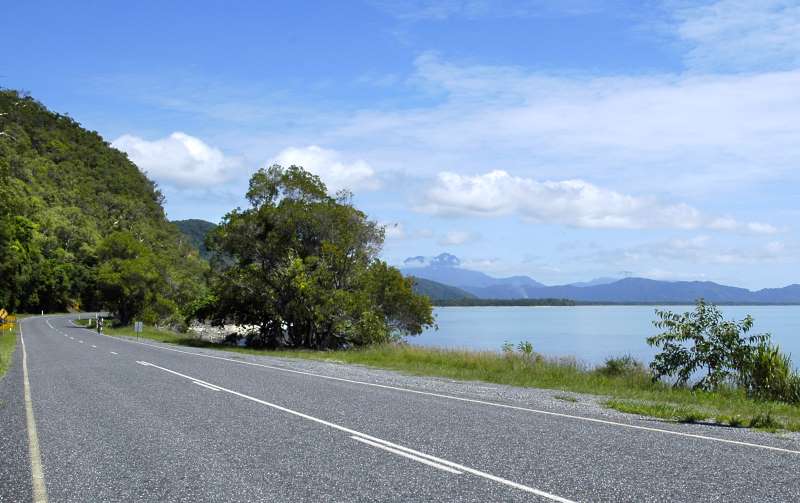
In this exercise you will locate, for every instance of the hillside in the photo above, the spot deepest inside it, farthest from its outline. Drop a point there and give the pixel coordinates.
(438, 291)
(196, 231)
(80, 225)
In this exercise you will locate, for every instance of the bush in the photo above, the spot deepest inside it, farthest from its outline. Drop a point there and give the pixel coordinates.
(623, 365)
(701, 341)
(770, 376)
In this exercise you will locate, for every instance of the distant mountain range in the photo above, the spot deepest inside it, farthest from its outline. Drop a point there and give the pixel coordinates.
(446, 269)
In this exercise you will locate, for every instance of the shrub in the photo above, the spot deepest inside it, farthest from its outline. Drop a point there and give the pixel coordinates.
(622, 365)
(701, 341)
(769, 375)
(526, 348)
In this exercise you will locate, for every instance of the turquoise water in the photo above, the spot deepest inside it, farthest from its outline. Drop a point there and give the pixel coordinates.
(590, 333)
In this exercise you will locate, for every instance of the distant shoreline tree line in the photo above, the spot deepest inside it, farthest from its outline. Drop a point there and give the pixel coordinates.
(475, 302)
(82, 228)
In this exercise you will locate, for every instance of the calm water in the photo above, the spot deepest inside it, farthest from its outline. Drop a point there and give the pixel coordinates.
(590, 333)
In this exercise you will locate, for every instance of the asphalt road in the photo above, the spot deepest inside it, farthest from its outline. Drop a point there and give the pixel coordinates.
(118, 420)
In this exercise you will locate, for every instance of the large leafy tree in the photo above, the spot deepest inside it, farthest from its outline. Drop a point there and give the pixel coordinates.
(302, 268)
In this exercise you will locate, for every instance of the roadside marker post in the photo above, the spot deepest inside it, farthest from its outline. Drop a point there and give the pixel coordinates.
(7, 321)
(137, 328)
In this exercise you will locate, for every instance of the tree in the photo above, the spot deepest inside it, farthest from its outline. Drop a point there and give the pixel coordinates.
(127, 278)
(302, 268)
(703, 342)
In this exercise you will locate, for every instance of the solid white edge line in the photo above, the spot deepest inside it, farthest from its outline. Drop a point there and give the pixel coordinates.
(406, 455)
(37, 469)
(473, 400)
(368, 437)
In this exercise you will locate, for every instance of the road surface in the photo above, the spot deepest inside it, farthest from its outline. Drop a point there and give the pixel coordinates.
(120, 420)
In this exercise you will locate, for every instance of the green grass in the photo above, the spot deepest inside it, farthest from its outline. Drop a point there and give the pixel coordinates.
(631, 392)
(8, 341)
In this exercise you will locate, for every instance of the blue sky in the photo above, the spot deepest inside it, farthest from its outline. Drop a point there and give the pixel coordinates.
(564, 140)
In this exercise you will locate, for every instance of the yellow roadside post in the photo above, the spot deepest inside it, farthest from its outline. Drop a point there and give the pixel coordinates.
(6, 321)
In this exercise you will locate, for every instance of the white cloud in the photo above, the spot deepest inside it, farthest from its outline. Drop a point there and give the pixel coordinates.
(569, 202)
(395, 231)
(687, 133)
(328, 165)
(179, 159)
(455, 238)
(742, 34)
(398, 231)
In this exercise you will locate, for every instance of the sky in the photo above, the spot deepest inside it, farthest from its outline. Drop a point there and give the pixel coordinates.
(565, 140)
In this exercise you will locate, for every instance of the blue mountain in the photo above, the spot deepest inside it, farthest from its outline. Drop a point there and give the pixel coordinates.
(446, 269)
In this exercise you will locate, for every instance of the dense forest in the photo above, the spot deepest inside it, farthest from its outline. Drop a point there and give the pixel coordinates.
(81, 226)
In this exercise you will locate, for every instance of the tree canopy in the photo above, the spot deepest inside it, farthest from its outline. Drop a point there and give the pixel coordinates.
(301, 268)
(67, 202)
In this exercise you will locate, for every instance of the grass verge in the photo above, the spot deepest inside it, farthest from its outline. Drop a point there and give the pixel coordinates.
(631, 392)
(8, 341)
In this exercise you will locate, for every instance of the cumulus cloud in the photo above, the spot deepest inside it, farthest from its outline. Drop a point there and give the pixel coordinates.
(569, 202)
(330, 166)
(179, 159)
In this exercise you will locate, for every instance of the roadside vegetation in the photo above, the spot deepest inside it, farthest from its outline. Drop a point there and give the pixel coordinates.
(8, 341)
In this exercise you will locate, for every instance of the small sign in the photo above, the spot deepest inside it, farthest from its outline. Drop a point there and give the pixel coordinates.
(3, 314)
(138, 326)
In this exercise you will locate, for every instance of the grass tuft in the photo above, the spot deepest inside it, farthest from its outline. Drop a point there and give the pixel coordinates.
(8, 341)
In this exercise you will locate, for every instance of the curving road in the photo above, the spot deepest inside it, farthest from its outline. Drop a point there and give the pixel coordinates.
(124, 420)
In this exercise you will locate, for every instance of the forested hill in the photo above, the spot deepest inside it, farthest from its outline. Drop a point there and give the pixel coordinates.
(80, 225)
(438, 291)
(196, 231)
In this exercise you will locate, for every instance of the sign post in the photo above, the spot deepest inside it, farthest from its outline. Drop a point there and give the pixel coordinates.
(137, 328)
(6, 321)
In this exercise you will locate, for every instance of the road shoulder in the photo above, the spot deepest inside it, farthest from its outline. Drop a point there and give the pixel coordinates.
(15, 474)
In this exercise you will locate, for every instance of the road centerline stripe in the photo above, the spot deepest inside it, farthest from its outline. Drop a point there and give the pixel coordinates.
(37, 469)
(386, 443)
